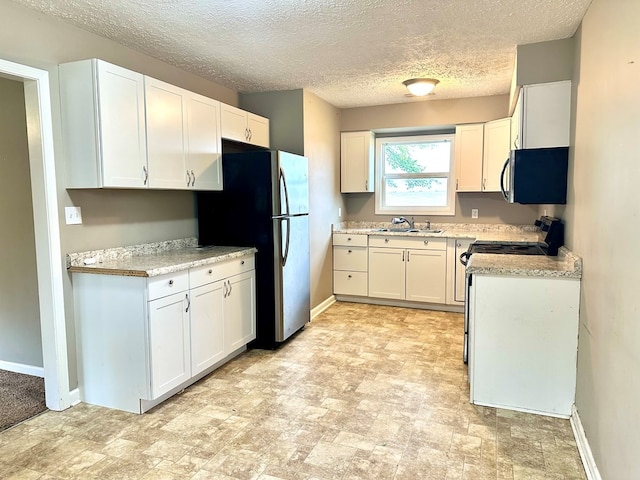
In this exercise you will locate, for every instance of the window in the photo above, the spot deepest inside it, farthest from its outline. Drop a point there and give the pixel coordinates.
(414, 175)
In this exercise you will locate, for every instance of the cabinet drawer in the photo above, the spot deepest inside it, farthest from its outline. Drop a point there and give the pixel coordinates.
(167, 284)
(205, 274)
(348, 239)
(350, 283)
(418, 243)
(350, 258)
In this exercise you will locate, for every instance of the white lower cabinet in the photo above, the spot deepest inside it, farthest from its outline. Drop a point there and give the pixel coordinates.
(169, 343)
(140, 340)
(413, 269)
(350, 264)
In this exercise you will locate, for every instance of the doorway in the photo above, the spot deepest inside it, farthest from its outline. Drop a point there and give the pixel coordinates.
(46, 230)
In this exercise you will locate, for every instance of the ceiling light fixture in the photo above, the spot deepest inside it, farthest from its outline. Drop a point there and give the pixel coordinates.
(420, 86)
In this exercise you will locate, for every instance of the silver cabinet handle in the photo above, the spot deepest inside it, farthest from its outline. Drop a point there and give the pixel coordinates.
(224, 290)
(188, 178)
(230, 287)
(348, 276)
(408, 252)
(349, 239)
(242, 262)
(171, 283)
(484, 183)
(348, 251)
(403, 255)
(193, 179)
(456, 184)
(366, 184)
(210, 271)
(250, 134)
(188, 302)
(146, 175)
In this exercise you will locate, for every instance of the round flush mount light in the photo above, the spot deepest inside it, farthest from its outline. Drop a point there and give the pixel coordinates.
(420, 86)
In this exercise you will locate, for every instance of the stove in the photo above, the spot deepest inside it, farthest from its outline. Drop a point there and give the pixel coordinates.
(508, 248)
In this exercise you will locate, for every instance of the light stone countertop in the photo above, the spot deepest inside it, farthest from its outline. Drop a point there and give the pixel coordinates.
(152, 259)
(566, 264)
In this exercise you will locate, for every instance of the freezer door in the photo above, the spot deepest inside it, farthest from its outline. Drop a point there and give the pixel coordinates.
(293, 177)
(292, 275)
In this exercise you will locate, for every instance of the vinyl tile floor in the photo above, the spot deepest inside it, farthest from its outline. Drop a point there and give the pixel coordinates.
(363, 392)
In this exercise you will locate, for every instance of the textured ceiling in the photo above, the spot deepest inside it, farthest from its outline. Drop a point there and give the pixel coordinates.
(349, 52)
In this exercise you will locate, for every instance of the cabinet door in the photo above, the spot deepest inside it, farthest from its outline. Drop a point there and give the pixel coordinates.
(169, 340)
(469, 151)
(496, 151)
(233, 123)
(516, 123)
(240, 310)
(386, 272)
(356, 162)
(426, 275)
(123, 146)
(166, 135)
(462, 246)
(546, 115)
(207, 326)
(258, 129)
(204, 144)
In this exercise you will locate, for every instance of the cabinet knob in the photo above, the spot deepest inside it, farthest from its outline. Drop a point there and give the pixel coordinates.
(349, 276)
(386, 240)
(348, 251)
(242, 262)
(210, 271)
(349, 239)
(426, 242)
(170, 283)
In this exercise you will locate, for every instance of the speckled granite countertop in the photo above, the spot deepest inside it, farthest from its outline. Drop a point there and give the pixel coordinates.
(485, 232)
(152, 259)
(566, 264)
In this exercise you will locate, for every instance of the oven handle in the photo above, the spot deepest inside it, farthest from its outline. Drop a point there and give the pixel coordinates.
(464, 258)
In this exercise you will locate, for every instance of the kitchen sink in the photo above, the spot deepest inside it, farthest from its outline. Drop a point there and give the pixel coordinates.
(406, 230)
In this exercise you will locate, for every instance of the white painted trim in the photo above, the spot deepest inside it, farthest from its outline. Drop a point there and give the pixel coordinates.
(438, 307)
(589, 463)
(321, 307)
(74, 396)
(22, 368)
(47, 231)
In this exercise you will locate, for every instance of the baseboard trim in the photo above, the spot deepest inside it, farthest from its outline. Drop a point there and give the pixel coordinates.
(74, 397)
(22, 368)
(317, 310)
(440, 307)
(589, 463)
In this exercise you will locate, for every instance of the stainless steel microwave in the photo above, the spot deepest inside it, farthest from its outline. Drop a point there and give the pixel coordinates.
(536, 176)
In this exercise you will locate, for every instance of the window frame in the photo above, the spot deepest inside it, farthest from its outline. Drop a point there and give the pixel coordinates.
(380, 185)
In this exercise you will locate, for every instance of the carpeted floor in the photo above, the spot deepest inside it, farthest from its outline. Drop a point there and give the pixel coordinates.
(21, 397)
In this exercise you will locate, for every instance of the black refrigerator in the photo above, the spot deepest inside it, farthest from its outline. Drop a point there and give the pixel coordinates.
(265, 204)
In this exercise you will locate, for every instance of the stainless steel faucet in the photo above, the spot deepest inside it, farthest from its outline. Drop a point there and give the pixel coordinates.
(399, 220)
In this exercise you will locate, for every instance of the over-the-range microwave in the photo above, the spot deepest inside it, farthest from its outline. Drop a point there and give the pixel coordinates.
(535, 176)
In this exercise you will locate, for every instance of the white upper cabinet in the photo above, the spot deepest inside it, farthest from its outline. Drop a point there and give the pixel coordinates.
(356, 161)
(542, 116)
(243, 126)
(469, 147)
(497, 135)
(103, 125)
(204, 143)
(124, 130)
(166, 132)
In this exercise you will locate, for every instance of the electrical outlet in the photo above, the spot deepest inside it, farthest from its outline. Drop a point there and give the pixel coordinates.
(474, 213)
(73, 215)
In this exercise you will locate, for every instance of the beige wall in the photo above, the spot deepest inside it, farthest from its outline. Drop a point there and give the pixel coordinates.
(603, 226)
(111, 218)
(20, 340)
(322, 147)
(430, 114)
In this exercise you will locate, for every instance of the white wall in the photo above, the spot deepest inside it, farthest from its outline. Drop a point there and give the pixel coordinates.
(19, 311)
(603, 226)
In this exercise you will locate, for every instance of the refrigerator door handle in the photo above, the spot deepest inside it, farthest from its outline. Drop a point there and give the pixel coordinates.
(285, 255)
(283, 181)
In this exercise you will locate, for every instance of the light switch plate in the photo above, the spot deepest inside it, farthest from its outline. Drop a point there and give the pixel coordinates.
(474, 213)
(73, 215)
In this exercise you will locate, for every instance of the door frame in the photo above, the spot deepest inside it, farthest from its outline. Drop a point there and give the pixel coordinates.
(47, 230)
